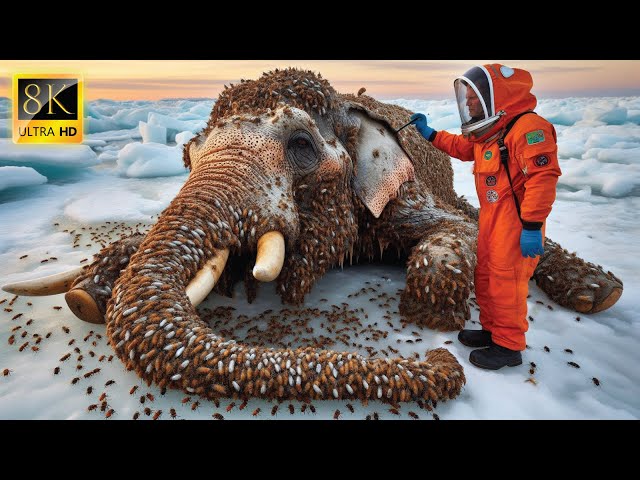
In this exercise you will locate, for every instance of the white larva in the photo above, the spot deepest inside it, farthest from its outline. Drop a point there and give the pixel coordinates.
(316, 389)
(379, 392)
(365, 384)
(232, 365)
(177, 376)
(236, 386)
(149, 333)
(184, 364)
(179, 352)
(129, 311)
(349, 389)
(171, 334)
(335, 393)
(263, 389)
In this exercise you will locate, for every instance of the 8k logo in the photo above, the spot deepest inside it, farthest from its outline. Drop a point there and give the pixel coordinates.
(47, 108)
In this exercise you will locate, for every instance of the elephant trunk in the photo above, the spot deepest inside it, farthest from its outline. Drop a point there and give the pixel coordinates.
(156, 330)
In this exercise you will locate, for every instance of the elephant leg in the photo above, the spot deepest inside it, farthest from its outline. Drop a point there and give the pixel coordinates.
(573, 283)
(440, 278)
(441, 242)
(87, 298)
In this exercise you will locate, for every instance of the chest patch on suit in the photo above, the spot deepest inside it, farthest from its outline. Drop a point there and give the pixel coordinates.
(492, 196)
(490, 181)
(541, 161)
(534, 137)
(488, 154)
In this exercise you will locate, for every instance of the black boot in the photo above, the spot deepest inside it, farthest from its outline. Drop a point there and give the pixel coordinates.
(475, 338)
(495, 357)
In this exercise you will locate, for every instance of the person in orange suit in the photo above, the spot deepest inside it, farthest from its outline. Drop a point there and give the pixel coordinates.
(516, 171)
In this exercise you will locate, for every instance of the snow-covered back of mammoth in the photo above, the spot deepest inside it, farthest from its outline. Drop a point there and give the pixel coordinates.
(382, 164)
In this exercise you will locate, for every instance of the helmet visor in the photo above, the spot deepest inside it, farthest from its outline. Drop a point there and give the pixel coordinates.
(474, 97)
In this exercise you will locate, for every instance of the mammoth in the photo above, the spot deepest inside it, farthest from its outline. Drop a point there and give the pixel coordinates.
(287, 180)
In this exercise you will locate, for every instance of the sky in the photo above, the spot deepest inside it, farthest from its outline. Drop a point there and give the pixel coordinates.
(55, 204)
(383, 79)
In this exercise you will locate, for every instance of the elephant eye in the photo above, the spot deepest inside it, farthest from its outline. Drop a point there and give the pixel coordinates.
(302, 153)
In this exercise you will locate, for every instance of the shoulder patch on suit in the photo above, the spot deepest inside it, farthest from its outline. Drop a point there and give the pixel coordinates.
(541, 161)
(536, 136)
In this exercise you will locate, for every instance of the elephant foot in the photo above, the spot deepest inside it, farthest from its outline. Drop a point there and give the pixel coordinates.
(439, 273)
(85, 306)
(90, 292)
(590, 302)
(573, 283)
(421, 314)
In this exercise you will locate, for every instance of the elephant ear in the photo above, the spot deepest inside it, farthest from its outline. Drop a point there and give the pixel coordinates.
(382, 164)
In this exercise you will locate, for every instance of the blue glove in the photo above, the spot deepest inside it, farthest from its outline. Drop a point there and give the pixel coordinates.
(420, 122)
(531, 243)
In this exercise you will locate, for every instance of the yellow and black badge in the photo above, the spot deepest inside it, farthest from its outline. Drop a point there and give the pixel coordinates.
(47, 108)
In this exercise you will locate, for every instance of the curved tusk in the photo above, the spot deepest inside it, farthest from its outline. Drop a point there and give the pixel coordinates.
(270, 256)
(49, 285)
(206, 278)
